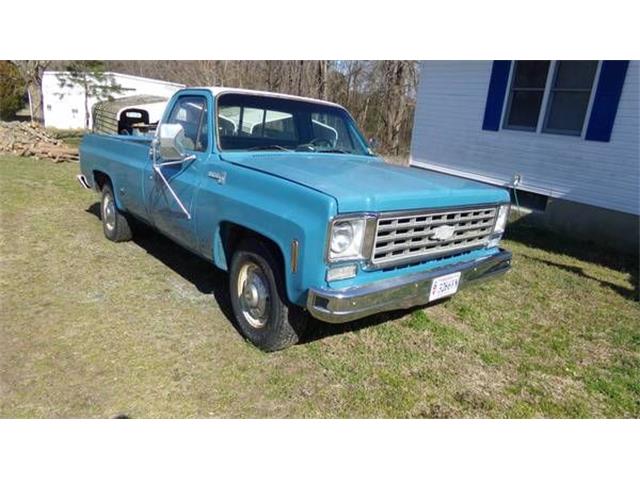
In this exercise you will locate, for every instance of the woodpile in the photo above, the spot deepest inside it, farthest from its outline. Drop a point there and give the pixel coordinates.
(31, 140)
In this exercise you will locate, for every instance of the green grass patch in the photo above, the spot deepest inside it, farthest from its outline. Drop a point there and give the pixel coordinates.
(90, 328)
(71, 137)
(442, 334)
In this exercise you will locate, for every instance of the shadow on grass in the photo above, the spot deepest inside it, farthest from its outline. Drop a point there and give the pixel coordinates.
(202, 274)
(625, 292)
(524, 232)
(208, 279)
(319, 330)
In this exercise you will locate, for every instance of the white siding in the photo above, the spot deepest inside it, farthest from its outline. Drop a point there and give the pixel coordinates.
(448, 136)
(64, 106)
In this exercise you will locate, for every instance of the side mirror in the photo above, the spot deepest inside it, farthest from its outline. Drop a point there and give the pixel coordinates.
(171, 142)
(373, 143)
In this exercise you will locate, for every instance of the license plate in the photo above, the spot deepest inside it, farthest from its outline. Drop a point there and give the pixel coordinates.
(444, 286)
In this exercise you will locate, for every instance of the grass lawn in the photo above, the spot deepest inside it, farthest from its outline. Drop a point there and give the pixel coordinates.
(89, 328)
(71, 137)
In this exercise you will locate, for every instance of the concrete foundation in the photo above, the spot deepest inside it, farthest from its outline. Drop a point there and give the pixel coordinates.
(609, 228)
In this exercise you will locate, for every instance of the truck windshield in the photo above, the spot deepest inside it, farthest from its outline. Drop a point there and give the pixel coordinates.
(253, 122)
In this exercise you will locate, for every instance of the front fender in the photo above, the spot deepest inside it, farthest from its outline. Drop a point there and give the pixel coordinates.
(277, 209)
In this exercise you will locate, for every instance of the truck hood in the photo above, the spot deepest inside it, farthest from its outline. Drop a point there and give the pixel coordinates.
(362, 183)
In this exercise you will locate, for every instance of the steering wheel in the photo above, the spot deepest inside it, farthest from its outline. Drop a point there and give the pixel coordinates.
(316, 143)
(321, 143)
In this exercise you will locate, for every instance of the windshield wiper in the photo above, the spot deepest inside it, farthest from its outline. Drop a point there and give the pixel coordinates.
(270, 147)
(332, 150)
(310, 147)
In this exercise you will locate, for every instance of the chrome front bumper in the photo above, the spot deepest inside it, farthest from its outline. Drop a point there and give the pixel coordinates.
(345, 305)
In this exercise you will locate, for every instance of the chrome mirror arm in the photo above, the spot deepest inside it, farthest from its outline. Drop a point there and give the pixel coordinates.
(157, 168)
(178, 162)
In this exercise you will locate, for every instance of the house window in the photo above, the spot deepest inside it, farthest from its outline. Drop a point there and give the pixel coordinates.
(527, 92)
(569, 96)
(551, 97)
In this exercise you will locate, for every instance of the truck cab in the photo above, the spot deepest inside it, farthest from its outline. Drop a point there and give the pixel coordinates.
(285, 195)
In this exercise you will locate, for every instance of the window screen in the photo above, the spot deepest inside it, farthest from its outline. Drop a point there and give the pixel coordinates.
(527, 90)
(569, 96)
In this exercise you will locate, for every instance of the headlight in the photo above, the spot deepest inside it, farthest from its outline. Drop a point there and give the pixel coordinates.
(341, 237)
(346, 239)
(501, 221)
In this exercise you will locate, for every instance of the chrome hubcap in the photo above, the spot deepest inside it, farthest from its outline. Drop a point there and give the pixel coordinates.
(109, 212)
(253, 294)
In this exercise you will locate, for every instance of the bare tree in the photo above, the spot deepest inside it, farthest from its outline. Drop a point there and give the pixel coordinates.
(321, 79)
(379, 94)
(32, 72)
(273, 75)
(396, 77)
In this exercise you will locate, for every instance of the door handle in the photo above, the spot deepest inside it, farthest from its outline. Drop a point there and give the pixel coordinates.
(220, 177)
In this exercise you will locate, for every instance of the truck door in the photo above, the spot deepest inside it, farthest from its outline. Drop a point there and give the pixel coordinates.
(170, 196)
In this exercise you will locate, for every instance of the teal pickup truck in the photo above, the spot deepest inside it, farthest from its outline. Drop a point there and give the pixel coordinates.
(285, 195)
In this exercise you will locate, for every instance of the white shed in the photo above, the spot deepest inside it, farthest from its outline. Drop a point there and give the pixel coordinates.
(565, 132)
(64, 105)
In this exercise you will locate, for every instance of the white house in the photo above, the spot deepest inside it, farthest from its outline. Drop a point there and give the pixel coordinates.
(64, 105)
(566, 134)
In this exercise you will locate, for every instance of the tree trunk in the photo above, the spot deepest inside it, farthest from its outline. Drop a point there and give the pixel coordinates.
(31, 72)
(86, 102)
(300, 75)
(365, 111)
(395, 110)
(321, 79)
(37, 108)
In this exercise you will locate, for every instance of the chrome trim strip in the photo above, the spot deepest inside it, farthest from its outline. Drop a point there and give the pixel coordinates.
(345, 305)
(294, 256)
(432, 211)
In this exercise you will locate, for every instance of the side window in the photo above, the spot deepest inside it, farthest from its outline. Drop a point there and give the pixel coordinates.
(191, 112)
(333, 129)
(526, 94)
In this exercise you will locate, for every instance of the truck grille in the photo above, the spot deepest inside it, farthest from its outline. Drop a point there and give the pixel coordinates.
(413, 237)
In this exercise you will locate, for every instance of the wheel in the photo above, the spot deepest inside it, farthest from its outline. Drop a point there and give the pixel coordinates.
(260, 306)
(114, 224)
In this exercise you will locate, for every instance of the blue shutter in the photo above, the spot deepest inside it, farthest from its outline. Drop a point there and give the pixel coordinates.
(495, 95)
(605, 103)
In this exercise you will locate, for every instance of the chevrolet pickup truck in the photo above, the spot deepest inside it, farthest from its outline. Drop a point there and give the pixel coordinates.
(285, 195)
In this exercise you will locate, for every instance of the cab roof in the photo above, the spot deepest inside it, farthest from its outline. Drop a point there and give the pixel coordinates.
(220, 90)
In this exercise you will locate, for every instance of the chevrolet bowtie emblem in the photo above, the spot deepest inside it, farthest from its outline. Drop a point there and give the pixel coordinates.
(442, 233)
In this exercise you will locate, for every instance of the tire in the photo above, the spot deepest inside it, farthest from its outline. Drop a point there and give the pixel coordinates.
(256, 287)
(114, 224)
